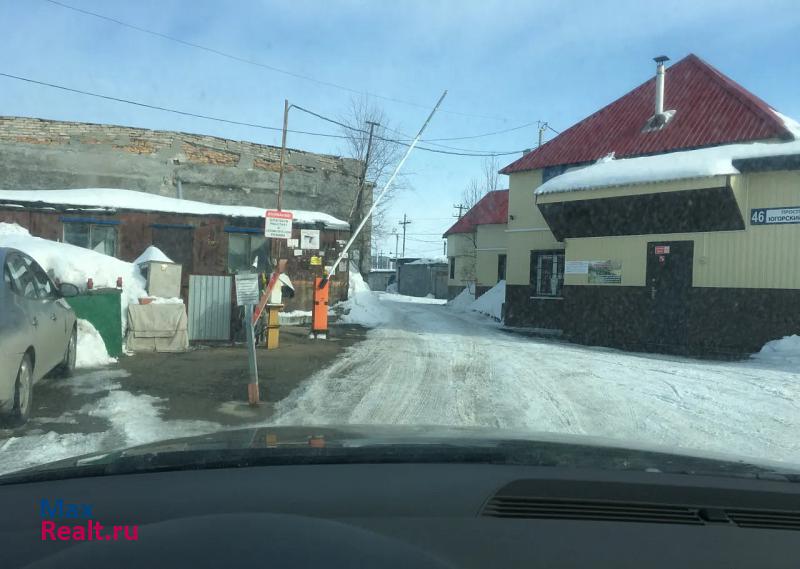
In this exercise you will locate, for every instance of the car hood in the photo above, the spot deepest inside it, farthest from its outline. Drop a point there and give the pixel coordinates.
(270, 445)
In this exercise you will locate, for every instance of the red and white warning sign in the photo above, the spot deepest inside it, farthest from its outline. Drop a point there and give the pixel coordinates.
(278, 224)
(662, 249)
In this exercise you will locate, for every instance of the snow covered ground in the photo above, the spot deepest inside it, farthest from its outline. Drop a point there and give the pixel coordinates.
(428, 364)
(132, 420)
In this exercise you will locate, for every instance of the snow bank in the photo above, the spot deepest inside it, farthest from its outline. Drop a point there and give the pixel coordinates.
(12, 229)
(489, 303)
(91, 350)
(701, 163)
(783, 351)
(164, 300)
(152, 253)
(463, 301)
(362, 305)
(113, 198)
(72, 264)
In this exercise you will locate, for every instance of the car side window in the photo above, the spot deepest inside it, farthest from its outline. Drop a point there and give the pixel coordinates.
(45, 286)
(22, 279)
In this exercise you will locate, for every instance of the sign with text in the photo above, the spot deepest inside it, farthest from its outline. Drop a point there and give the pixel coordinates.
(662, 249)
(278, 224)
(605, 272)
(774, 216)
(576, 267)
(247, 289)
(309, 238)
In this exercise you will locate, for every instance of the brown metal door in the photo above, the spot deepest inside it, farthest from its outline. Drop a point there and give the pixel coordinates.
(669, 278)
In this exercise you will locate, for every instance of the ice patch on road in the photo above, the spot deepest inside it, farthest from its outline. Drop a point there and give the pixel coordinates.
(91, 350)
(133, 420)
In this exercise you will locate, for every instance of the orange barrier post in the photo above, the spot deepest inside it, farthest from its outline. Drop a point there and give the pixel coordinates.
(319, 312)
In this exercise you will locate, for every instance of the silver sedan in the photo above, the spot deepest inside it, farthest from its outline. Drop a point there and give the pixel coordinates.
(38, 332)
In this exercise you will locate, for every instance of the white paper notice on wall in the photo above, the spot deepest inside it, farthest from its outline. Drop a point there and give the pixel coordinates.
(292, 243)
(298, 252)
(309, 239)
(576, 268)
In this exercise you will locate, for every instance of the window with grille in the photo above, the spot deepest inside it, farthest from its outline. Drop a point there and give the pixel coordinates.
(547, 273)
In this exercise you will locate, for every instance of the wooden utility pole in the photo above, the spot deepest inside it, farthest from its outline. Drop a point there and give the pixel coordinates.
(405, 222)
(283, 150)
(459, 207)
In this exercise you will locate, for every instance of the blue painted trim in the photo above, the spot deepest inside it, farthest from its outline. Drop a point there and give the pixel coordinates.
(95, 220)
(172, 225)
(233, 229)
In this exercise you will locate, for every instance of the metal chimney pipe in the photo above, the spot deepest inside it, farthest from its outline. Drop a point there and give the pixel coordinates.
(660, 83)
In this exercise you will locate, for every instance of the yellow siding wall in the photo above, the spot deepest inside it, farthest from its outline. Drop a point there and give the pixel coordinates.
(527, 231)
(491, 243)
(462, 247)
(757, 257)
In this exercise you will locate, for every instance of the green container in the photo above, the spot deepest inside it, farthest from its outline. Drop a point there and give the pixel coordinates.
(102, 308)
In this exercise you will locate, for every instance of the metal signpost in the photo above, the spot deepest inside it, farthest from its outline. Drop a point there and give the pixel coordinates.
(247, 296)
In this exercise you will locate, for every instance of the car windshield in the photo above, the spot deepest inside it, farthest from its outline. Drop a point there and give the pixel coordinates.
(340, 224)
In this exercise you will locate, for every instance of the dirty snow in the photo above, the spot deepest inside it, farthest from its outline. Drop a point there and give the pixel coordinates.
(72, 264)
(701, 163)
(112, 198)
(165, 300)
(430, 365)
(362, 305)
(91, 350)
(152, 253)
(132, 420)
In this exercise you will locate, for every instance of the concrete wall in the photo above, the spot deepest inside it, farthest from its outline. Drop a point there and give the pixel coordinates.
(527, 229)
(491, 242)
(39, 155)
(761, 256)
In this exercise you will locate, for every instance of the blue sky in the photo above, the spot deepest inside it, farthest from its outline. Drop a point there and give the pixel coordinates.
(504, 64)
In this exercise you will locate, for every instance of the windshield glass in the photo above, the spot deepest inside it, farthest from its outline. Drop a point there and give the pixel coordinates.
(407, 216)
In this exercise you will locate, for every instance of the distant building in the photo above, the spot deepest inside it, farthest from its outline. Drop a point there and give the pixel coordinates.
(476, 246)
(423, 277)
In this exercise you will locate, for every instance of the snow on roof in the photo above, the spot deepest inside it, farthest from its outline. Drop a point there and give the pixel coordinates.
(701, 163)
(428, 261)
(711, 109)
(142, 201)
(152, 253)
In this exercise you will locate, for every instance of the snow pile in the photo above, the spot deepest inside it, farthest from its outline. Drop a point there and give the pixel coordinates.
(491, 302)
(112, 198)
(12, 229)
(91, 350)
(362, 305)
(463, 301)
(428, 261)
(164, 300)
(152, 253)
(392, 288)
(785, 350)
(701, 163)
(72, 264)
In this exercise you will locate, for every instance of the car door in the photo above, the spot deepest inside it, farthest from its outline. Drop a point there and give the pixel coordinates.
(53, 328)
(27, 298)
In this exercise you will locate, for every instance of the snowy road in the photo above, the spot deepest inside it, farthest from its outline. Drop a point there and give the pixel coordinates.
(428, 364)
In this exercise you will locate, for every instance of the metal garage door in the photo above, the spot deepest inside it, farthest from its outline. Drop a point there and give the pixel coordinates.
(210, 307)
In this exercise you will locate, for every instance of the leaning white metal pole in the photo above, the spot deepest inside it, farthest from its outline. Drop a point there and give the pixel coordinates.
(375, 202)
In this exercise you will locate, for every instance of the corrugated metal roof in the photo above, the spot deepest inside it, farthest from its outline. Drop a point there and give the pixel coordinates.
(711, 109)
(491, 208)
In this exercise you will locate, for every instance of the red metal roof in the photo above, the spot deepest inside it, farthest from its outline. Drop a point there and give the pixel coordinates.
(491, 208)
(711, 109)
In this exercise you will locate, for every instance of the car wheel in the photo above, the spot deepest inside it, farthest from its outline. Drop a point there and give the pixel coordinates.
(23, 393)
(67, 365)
